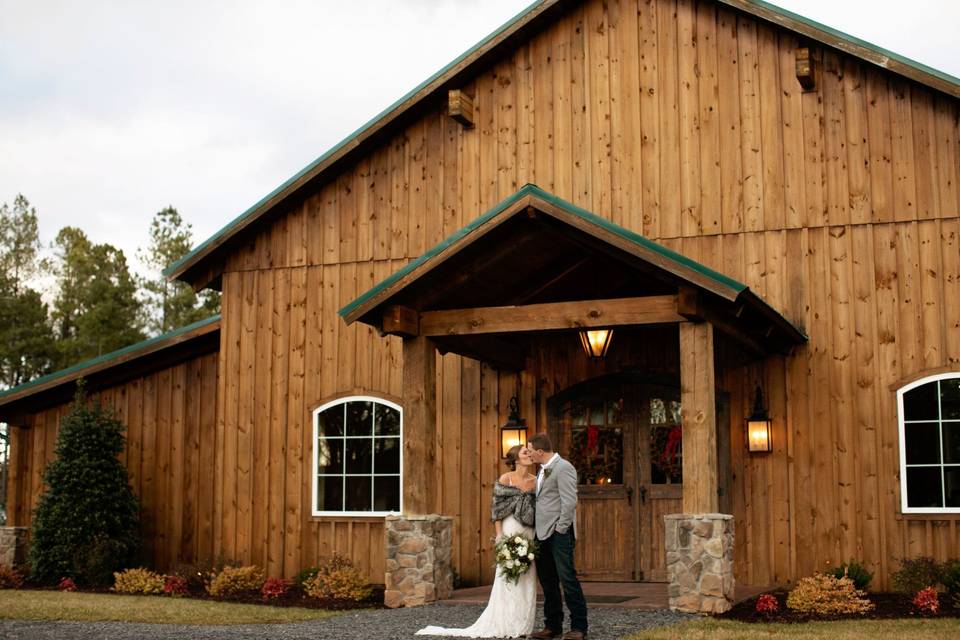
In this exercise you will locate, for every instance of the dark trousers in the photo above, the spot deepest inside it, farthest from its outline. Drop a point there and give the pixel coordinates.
(555, 570)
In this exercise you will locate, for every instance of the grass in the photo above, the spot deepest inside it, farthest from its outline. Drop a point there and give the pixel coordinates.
(845, 630)
(90, 607)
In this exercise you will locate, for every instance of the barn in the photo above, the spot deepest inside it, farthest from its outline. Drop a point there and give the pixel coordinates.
(709, 246)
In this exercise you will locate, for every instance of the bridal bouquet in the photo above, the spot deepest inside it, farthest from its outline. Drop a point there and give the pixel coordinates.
(515, 555)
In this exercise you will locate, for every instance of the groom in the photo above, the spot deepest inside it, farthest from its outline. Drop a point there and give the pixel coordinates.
(557, 533)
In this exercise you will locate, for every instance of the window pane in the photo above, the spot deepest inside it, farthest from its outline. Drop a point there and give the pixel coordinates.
(386, 421)
(358, 494)
(330, 493)
(330, 455)
(359, 418)
(598, 455)
(951, 442)
(359, 459)
(666, 454)
(923, 442)
(924, 488)
(386, 494)
(950, 399)
(921, 403)
(331, 421)
(951, 478)
(387, 458)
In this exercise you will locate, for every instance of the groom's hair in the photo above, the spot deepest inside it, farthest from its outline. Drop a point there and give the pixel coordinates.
(540, 441)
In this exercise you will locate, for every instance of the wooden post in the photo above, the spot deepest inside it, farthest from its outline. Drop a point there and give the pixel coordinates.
(420, 424)
(700, 479)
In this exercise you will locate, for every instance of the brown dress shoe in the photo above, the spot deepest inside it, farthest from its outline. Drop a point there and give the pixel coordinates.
(573, 634)
(546, 634)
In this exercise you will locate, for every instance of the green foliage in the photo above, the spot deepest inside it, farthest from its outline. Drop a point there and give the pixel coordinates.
(96, 309)
(138, 580)
(855, 571)
(236, 580)
(19, 242)
(950, 576)
(304, 575)
(913, 575)
(172, 304)
(826, 595)
(339, 579)
(86, 525)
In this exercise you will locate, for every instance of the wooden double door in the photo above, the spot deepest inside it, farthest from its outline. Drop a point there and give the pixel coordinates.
(623, 434)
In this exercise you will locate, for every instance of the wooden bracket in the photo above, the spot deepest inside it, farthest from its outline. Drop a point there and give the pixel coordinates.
(460, 107)
(401, 321)
(688, 304)
(805, 68)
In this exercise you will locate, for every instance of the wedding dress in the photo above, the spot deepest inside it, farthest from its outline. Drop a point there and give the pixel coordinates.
(512, 608)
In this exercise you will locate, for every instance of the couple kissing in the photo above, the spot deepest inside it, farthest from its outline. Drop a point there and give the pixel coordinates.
(535, 519)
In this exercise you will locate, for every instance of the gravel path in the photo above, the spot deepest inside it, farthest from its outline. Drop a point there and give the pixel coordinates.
(386, 624)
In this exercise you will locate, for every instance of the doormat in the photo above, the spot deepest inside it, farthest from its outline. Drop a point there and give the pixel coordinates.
(608, 599)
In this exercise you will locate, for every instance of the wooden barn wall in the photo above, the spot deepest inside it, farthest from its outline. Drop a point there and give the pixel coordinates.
(170, 417)
(680, 120)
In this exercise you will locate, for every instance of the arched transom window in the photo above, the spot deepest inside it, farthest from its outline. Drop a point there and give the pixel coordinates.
(357, 457)
(929, 411)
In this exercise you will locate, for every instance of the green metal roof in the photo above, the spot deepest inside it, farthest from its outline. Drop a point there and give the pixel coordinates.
(755, 7)
(535, 191)
(107, 357)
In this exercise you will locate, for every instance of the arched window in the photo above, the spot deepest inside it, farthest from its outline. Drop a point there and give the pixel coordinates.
(357, 457)
(929, 412)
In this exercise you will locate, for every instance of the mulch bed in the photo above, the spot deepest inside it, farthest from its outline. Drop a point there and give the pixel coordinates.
(886, 606)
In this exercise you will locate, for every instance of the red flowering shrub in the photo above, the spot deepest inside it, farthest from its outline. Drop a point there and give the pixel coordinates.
(175, 585)
(274, 588)
(66, 584)
(927, 601)
(767, 604)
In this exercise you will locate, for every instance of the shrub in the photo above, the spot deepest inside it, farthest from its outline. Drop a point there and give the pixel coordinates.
(927, 601)
(86, 523)
(66, 584)
(950, 576)
(175, 586)
(235, 580)
(10, 578)
(767, 604)
(855, 571)
(305, 575)
(138, 580)
(274, 588)
(826, 595)
(339, 579)
(914, 575)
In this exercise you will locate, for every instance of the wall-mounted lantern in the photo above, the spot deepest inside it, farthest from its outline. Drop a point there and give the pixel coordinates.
(596, 342)
(759, 427)
(515, 431)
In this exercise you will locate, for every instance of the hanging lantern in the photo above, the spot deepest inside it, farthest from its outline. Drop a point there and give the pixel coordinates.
(759, 427)
(596, 342)
(514, 432)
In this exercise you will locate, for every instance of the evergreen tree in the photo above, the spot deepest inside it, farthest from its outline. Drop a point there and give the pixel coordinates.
(86, 525)
(96, 309)
(172, 304)
(19, 242)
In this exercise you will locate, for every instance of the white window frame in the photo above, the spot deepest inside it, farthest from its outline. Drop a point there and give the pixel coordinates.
(313, 470)
(904, 508)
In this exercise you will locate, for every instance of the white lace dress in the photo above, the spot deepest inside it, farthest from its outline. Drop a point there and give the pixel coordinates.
(512, 608)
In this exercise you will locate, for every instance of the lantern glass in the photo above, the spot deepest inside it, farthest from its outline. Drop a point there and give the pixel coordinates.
(596, 342)
(758, 435)
(512, 435)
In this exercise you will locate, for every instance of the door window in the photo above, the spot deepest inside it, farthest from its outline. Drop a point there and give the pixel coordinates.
(596, 439)
(666, 442)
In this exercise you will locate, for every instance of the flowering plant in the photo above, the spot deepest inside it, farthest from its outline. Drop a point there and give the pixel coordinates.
(515, 555)
(927, 601)
(767, 604)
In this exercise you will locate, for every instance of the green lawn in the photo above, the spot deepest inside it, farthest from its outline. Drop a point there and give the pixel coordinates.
(55, 605)
(846, 630)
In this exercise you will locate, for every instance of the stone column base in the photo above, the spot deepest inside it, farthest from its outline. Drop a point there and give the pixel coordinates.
(418, 567)
(700, 562)
(13, 546)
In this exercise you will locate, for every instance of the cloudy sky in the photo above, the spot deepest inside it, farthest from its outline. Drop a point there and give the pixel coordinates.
(110, 111)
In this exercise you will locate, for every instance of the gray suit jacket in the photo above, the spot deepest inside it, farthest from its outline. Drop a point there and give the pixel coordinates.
(557, 500)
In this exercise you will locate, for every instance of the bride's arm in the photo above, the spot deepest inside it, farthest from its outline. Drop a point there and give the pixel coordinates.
(499, 527)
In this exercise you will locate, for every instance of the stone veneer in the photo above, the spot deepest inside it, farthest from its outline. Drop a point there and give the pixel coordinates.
(13, 546)
(418, 567)
(700, 562)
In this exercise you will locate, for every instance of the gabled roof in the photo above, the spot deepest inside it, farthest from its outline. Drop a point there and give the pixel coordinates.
(191, 267)
(114, 367)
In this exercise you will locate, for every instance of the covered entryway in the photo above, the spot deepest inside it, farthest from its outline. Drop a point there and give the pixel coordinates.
(512, 289)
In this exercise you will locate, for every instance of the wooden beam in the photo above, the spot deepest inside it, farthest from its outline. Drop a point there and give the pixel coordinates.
(552, 315)
(401, 321)
(804, 68)
(699, 419)
(688, 304)
(460, 107)
(498, 352)
(419, 424)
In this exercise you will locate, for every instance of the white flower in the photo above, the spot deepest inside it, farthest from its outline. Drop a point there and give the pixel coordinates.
(530, 556)
(518, 539)
(509, 564)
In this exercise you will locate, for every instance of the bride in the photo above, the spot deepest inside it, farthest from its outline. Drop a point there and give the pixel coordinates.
(512, 607)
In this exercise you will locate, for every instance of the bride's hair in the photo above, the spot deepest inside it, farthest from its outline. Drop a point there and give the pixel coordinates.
(512, 456)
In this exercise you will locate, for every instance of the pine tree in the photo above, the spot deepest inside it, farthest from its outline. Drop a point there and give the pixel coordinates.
(86, 525)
